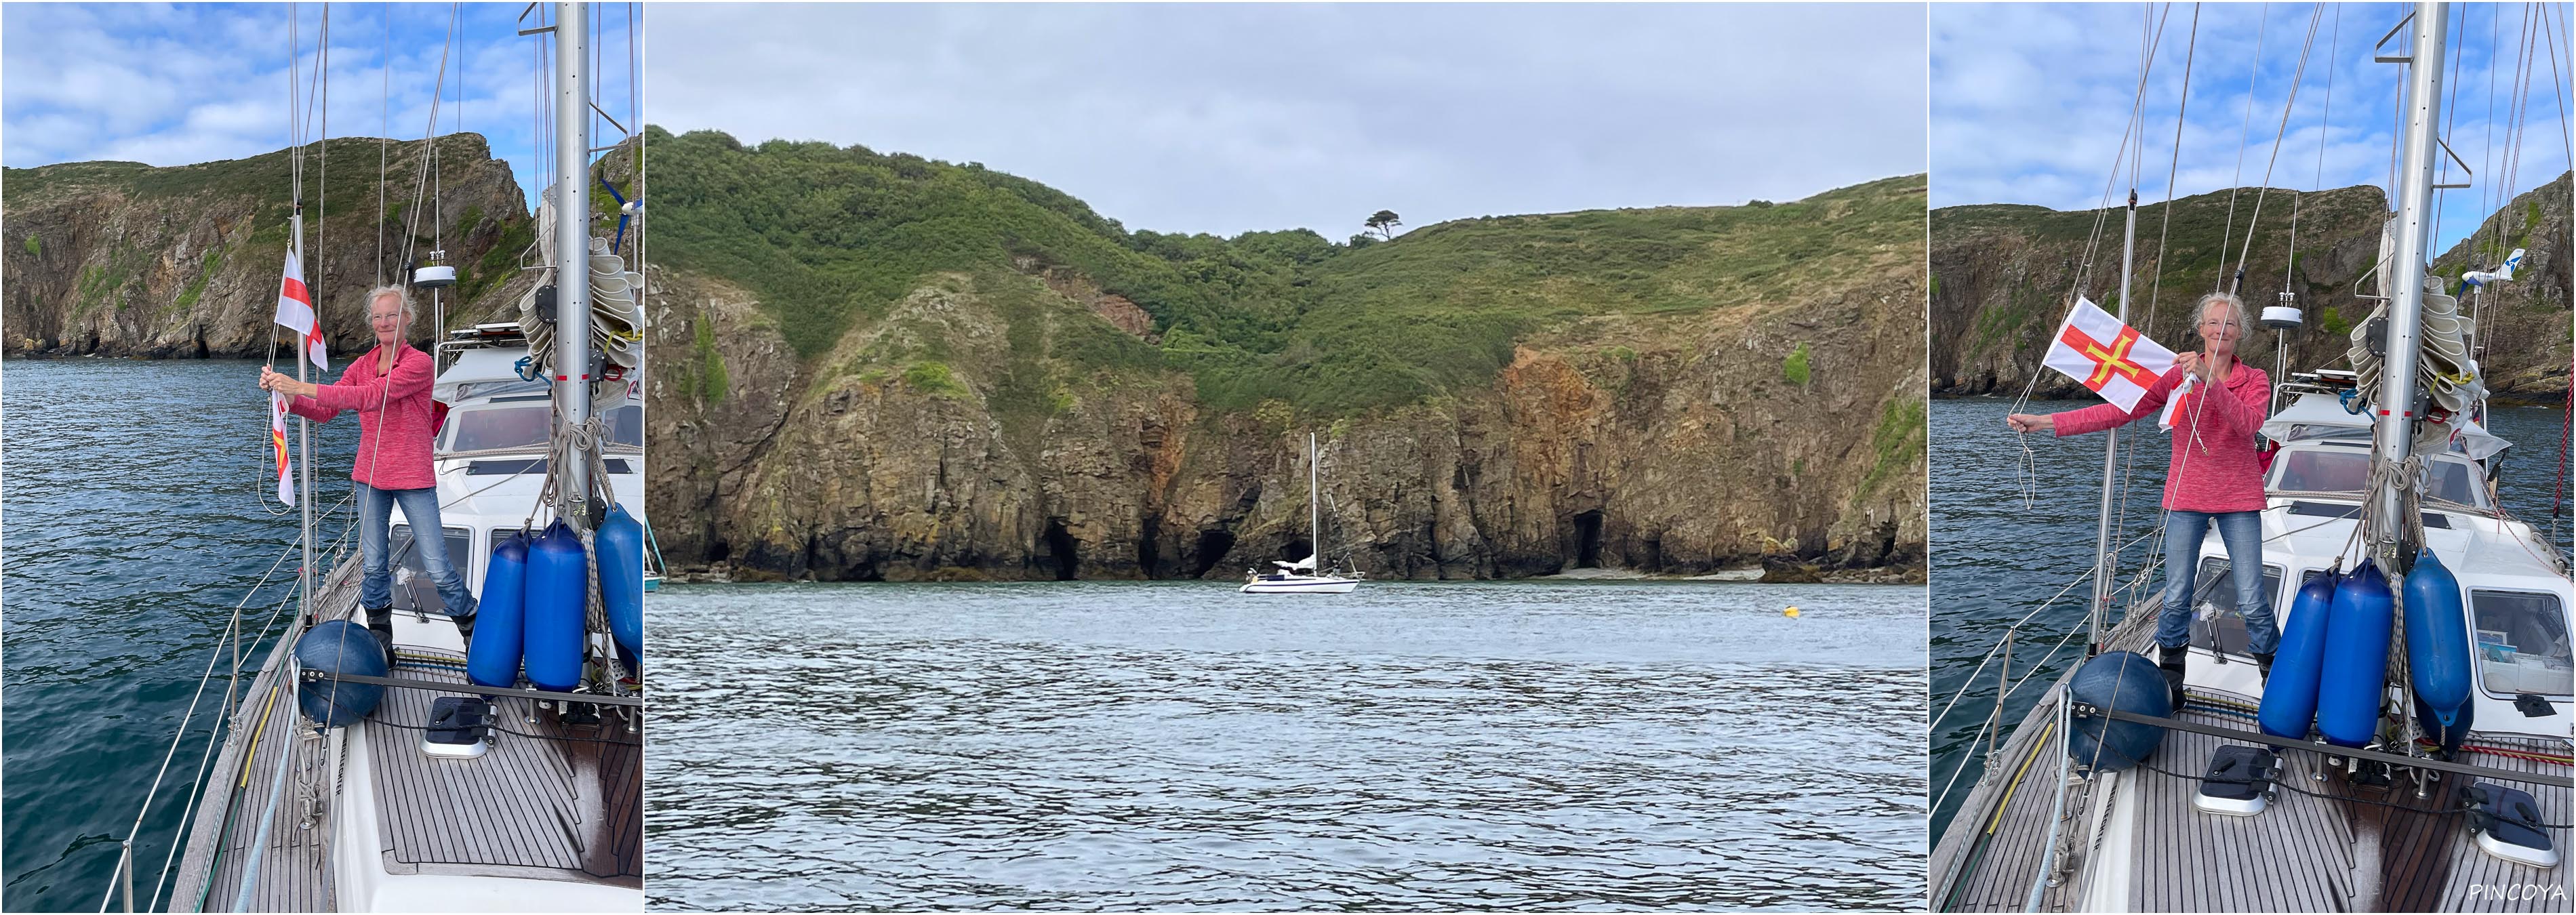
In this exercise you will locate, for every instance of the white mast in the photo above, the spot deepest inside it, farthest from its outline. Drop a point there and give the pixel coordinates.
(2102, 570)
(304, 427)
(2394, 436)
(1314, 501)
(572, 250)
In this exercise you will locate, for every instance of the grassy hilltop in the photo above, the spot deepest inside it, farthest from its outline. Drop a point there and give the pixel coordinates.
(831, 238)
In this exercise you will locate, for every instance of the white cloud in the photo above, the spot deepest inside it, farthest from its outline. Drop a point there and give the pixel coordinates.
(1226, 118)
(178, 84)
(2029, 101)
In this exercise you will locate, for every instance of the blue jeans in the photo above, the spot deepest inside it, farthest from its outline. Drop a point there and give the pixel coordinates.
(2243, 534)
(375, 524)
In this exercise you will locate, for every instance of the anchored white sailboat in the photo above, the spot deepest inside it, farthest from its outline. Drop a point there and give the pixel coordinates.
(1303, 576)
(2429, 766)
(491, 762)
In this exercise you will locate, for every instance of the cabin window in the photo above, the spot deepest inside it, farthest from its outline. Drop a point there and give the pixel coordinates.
(626, 426)
(2341, 470)
(460, 549)
(2319, 470)
(528, 427)
(488, 428)
(2522, 643)
(2214, 592)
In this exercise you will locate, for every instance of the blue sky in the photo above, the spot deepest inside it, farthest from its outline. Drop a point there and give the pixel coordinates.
(1233, 117)
(172, 84)
(2029, 101)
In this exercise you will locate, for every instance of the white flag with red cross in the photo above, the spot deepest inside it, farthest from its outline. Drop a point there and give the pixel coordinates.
(2107, 357)
(295, 313)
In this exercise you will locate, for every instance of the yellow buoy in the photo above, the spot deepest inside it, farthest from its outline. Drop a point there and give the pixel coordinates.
(1791, 613)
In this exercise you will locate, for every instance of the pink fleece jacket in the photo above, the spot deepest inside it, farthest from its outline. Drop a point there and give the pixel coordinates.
(395, 417)
(2214, 466)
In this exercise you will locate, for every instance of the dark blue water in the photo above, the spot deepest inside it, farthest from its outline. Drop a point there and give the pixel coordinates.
(1994, 561)
(1175, 745)
(136, 521)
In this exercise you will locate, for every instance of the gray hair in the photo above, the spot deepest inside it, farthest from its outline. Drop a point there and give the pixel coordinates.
(2235, 310)
(400, 296)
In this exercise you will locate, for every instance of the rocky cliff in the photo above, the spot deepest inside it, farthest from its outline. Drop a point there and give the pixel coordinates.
(121, 258)
(2001, 275)
(1038, 394)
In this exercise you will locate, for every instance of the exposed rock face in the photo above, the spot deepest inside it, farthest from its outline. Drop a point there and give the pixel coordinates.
(1673, 444)
(120, 258)
(2001, 275)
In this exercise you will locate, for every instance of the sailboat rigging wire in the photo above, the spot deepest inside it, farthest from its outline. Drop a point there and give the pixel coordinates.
(2486, 151)
(185, 718)
(2262, 26)
(634, 107)
(313, 281)
(2558, 92)
(2451, 113)
(2334, 47)
(384, 143)
(188, 808)
(429, 143)
(2026, 469)
(2172, 170)
(230, 636)
(2279, 138)
(2141, 577)
(2016, 626)
(2517, 116)
(2147, 42)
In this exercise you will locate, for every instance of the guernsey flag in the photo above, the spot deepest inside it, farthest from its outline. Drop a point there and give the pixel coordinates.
(2109, 358)
(277, 440)
(295, 312)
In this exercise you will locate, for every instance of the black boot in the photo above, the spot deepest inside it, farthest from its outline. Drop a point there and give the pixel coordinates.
(380, 620)
(2169, 658)
(465, 621)
(2263, 662)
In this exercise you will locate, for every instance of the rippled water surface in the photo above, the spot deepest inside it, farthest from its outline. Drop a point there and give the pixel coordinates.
(135, 523)
(1995, 561)
(1177, 745)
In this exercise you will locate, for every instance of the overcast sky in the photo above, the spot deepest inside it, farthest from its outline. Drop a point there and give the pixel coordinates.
(174, 84)
(1226, 118)
(2029, 101)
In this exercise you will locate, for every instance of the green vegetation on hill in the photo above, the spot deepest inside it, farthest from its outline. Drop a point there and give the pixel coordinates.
(353, 182)
(2204, 237)
(831, 238)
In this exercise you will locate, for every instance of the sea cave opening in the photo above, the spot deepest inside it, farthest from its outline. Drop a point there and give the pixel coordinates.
(1587, 540)
(1059, 549)
(1213, 547)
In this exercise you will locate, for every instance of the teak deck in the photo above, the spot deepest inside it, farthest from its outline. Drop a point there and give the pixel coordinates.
(2304, 854)
(530, 808)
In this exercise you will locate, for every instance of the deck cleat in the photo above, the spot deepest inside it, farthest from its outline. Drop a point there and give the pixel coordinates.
(2238, 782)
(459, 728)
(2506, 822)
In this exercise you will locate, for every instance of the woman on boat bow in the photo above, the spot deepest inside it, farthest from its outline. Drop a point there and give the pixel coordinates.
(2215, 475)
(389, 389)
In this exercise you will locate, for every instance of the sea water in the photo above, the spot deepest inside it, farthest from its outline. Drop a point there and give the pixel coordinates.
(1176, 745)
(141, 507)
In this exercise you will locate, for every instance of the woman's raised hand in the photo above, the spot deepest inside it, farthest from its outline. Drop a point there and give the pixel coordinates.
(270, 380)
(2025, 422)
(2197, 363)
